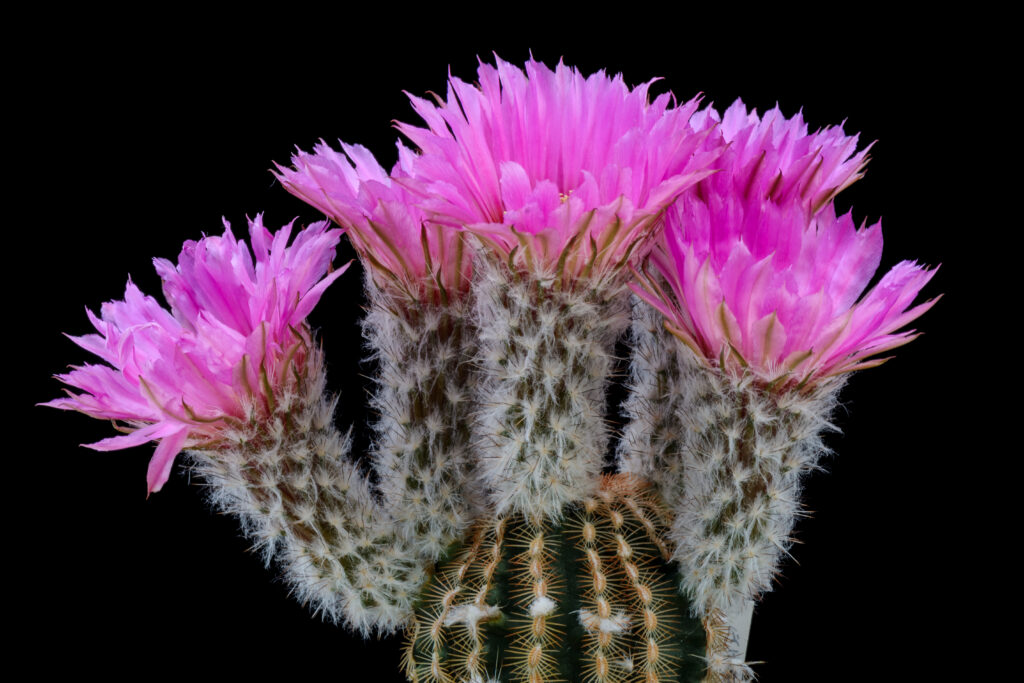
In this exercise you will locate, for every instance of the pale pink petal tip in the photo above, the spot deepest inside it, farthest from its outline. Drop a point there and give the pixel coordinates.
(176, 375)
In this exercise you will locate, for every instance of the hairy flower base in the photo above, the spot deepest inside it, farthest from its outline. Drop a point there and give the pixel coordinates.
(544, 357)
(651, 437)
(588, 597)
(421, 453)
(308, 508)
(743, 451)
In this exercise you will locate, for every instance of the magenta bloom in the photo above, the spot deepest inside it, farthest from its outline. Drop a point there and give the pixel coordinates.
(546, 159)
(234, 331)
(763, 275)
(389, 231)
(771, 289)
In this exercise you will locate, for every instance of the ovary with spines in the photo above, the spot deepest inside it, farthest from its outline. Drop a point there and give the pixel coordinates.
(308, 507)
(727, 455)
(544, 357)
(421, 453)
(745, 449)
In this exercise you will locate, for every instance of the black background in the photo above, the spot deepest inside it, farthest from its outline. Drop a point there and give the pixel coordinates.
(128, 144)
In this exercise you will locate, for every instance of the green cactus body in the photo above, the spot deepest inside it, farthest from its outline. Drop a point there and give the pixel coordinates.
(587, 597)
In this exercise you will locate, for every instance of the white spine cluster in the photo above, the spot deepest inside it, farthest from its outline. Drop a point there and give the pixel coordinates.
(310, 509)
(544, 355)
(421, 452)
(744, 449)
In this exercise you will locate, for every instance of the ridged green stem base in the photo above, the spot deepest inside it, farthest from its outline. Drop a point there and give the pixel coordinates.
(590, 597)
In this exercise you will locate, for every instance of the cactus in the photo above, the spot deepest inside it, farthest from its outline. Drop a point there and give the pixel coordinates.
(650, 440)
(743, 452)
(726, 454)
(587, 597)
(490, 533)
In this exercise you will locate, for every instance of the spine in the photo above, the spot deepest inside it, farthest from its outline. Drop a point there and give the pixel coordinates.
(308, 507)
(589, 597)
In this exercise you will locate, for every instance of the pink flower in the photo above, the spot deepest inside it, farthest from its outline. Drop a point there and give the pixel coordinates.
(389, 231)
(772, 289)
(762, 273)
(234, 332)
(556, 164)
